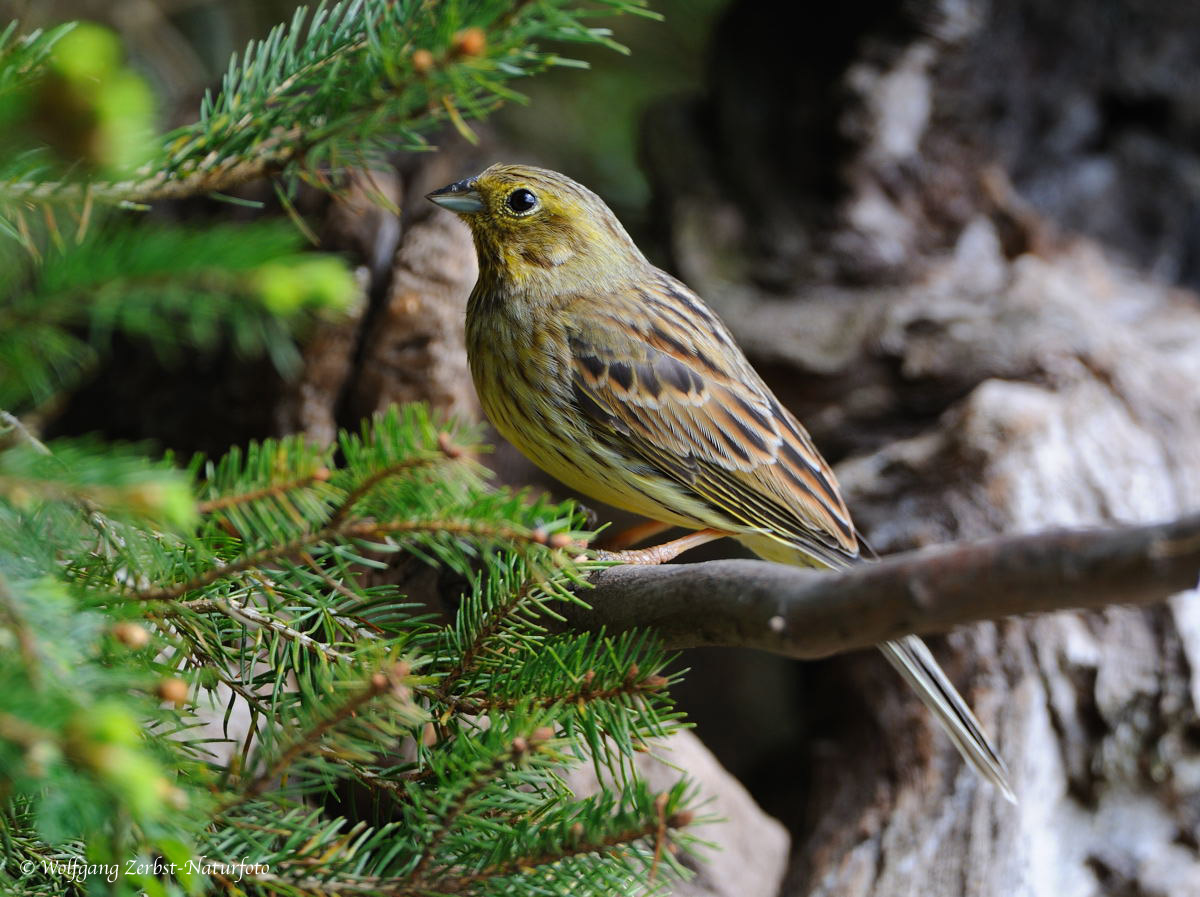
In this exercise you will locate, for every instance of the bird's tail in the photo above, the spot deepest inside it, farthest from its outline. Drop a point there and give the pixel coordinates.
(915, 663)
(910, 657)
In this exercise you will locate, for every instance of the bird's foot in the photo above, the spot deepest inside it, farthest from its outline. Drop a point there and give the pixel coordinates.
(667, 551)
(631, 536)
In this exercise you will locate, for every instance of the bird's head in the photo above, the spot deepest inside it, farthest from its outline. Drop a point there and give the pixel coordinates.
(539, 229)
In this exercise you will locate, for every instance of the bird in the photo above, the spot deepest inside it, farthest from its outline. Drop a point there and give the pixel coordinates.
(618, 380)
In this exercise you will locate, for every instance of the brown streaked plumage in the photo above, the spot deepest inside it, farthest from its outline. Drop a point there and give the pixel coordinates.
(618, 380)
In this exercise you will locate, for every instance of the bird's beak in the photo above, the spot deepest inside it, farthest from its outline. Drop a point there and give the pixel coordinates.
(461, 197)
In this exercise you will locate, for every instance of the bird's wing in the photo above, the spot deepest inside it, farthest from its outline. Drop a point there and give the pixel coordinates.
(660, 380)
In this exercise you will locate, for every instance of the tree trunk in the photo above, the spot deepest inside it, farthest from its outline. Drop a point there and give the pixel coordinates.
(940, 231)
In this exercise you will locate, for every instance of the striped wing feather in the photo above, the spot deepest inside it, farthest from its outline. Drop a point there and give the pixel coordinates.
(661, 381)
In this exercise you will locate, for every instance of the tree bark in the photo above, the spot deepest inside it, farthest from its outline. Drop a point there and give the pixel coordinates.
(897, 209)
(806, 614)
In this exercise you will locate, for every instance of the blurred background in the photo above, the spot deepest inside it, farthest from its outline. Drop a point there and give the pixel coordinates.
(960, 239)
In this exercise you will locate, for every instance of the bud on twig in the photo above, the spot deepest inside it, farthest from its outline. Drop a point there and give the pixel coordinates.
(447, 447)
(131, 635)
(681, 819)
(174, 691)
(422, 63)
(470, 42)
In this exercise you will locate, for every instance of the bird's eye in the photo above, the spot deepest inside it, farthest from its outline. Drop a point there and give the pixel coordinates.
(521, 202)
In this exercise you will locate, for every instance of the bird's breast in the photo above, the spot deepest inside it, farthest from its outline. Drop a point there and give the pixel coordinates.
(522, 372)
(518, 367)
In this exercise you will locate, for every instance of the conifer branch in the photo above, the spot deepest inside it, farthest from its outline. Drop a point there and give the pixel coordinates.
(255, 619)
(467, 659)
(320, 475)
(608, 843)
(479, 703)
(336, 585)
(406, 465)
(291, 548)
(223, 176)
(202, 659)
(17, 428)
(500, 532)
(392, 786)
(466, 884)
(380, 683)
(277, 111)
(367, 530)
(519, 748)
(258, 600)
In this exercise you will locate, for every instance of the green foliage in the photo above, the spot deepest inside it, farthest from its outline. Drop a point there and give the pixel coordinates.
(90, 111)
(23, 56)
(174, 287)
(210, 680)
(223, 677)
(122, 483)
(335, 87)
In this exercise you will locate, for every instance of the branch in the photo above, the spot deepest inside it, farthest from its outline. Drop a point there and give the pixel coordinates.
(253, 618)
(805, 613)
(380, 683)
(480, 779)
(606, 844)
(221, 176)
(321, 474)
(368, 530)
(16, 427)
(370, 482)
(481, 703)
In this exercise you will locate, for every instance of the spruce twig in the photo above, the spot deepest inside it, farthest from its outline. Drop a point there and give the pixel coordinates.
(17, 427)
(255, 619)
(404, 466)
(380, 683)
(320, 475)
(479, 704)
(366, 530)
(520, 747)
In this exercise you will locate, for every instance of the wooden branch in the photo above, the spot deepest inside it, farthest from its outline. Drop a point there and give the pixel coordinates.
(807, 613)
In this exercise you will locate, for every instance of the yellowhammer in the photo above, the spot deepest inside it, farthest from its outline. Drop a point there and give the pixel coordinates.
(617, 379)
